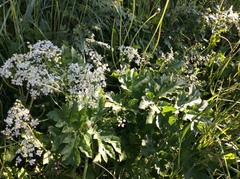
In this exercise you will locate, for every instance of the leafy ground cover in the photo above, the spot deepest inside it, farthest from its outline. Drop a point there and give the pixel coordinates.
(119, 89)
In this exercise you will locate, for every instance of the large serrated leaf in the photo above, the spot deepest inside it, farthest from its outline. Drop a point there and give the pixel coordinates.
(57, 141)
(73, 157)
(86, 150)
(85, 145)
(67, 129)
(56, 115)
(116, 144)
(109, 151)
(70, 153)
(102, 151)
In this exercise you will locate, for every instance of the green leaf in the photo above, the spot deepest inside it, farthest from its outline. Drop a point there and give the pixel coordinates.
(70, 153)
(168, 112)
(168, 86)
(67, 129)
(145, 103)
(123, 156)
(56, 115)
(115, 106)
(153, 110)
(109, 151)
(85, 145)
(72, 157)
(10, 154)
(101, 151)
(167, 109)
(114, 141)
(60, 124)
(68, 139)
(66, 151)
(98, 158)
(172, 120)
(133, 105)
(57, 141)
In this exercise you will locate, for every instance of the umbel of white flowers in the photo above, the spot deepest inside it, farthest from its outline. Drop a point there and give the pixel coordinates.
(42, 73)
(19, 125)
(31, 69)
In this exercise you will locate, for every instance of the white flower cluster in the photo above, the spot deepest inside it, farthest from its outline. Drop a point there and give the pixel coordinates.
(32, 69)
(86, 80)
(130, 54)
(46, 50)
(42, 72)
(169, 56)
(19, 126)
(121, 121)
(102, 44)
(222, 20)
(196, 58)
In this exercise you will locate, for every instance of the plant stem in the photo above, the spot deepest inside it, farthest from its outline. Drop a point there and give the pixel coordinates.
(143, 26)
(85, 168)
(105, 170)
(158, 29)
(131, 23)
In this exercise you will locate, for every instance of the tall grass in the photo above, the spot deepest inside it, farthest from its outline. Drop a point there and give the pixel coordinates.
(152, 27)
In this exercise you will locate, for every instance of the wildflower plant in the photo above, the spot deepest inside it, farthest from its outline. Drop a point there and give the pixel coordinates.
(43, 71)
(86, 81)
(222, 20)
(20, 126)
(47, 70)
(129, 54)
(34, 69)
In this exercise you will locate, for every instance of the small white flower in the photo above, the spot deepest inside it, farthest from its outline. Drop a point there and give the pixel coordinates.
(32, 161)
(39, 153)
(18, 160)
(9, 121)
(18, 151)
(7, 132)
(34, 123)
(222, 20)
(30, 155)
(121, 121)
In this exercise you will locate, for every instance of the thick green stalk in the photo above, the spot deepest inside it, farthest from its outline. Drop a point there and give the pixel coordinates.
(85, 168)
(131, 23)
(158, 29)
(157, 12)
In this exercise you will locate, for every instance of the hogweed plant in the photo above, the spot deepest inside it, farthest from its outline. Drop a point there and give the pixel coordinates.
(47, 70)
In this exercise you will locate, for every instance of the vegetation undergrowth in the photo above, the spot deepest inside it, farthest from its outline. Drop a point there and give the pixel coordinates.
(119, 89)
